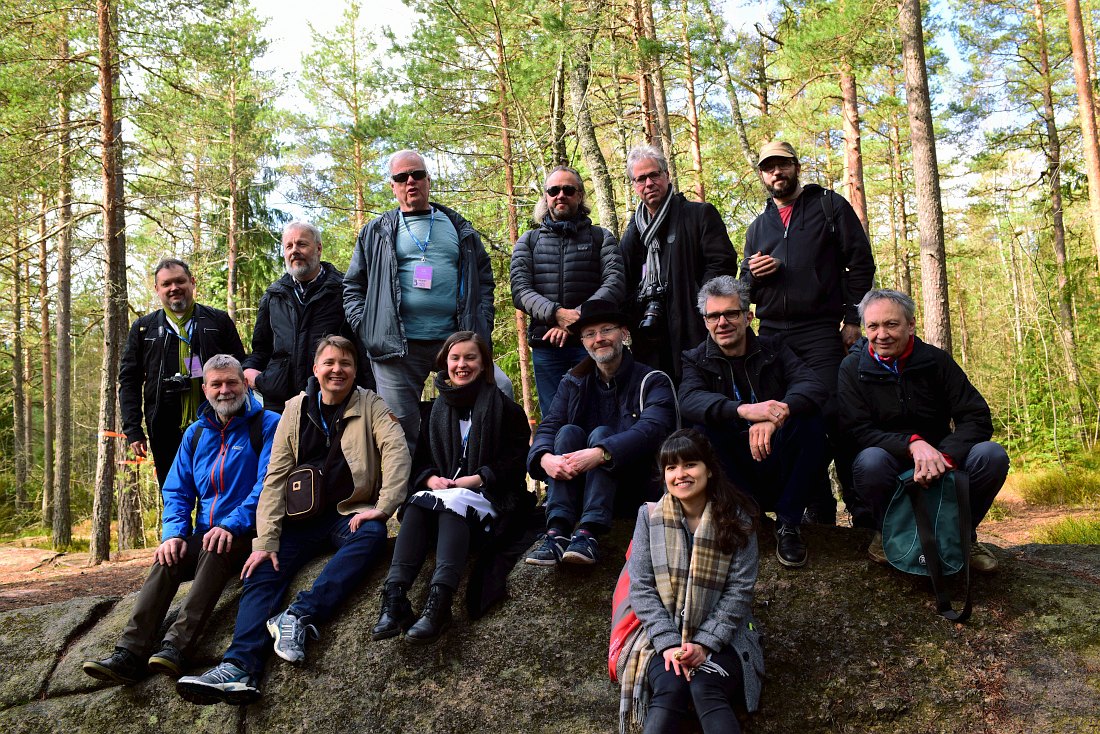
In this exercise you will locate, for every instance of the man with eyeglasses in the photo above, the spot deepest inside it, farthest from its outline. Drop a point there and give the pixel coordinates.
(758, 403)
(418, 274)
(556, 267)
(296, 312)
(807, 264)
(595, 449)
(671, 247)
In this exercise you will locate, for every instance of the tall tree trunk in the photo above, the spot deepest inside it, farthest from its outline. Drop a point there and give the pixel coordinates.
(645, 78)
(196, 206)
(660, 97)
(28, 363)
(557, 115)
(579, 75)
(357, 120)
(510, 192)
(731, 88)
(18, 406)
(1053, 150)
(692, 109)
(47, 363)
(114, 305)
(1087, 117)
(131, 531)
(231, 231)
(937, 318)
(902, 273)
(964, 332)
(853, 151)
(62, 531)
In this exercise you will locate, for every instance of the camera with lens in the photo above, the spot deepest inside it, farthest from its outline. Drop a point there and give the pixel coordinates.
(176, 383)
(653, 311)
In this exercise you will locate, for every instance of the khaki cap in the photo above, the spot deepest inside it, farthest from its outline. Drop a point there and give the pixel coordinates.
(777, 149)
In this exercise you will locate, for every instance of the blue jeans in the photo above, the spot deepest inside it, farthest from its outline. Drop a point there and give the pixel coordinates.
(590, 495)
(782, 481)
(551, 363)
(875, 477)
(300, 543)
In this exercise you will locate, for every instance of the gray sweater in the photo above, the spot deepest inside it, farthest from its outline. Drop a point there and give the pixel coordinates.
(730, 622)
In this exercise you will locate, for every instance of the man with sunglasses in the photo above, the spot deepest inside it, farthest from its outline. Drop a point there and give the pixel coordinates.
(418, 274)
(807, 264)
(671, 247)
(557, 266)
(595, 448)
(758, 403)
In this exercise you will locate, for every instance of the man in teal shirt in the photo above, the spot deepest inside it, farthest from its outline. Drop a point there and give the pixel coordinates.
(418, 274)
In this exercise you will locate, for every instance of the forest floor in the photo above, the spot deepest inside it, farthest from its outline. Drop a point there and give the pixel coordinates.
(30, 575)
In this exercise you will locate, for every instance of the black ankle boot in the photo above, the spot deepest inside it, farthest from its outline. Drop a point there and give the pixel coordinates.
(435, 619)
(396, 613)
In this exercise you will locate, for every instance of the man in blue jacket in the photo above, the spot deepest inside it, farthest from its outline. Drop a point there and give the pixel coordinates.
(760, 406)
(217, 475)
(607, 421)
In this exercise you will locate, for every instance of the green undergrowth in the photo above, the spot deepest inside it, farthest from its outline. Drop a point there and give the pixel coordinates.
(1052, 487)
(1071, 531)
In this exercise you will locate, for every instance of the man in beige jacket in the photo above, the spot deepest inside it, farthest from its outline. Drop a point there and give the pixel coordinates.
(363, 484)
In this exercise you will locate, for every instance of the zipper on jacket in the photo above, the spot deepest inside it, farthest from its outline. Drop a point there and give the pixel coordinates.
(217, 472)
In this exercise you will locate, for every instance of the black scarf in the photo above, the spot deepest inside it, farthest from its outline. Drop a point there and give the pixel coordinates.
(564, 228)
(483, 404)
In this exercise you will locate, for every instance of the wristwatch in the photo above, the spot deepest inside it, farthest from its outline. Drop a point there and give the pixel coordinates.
(606, 455)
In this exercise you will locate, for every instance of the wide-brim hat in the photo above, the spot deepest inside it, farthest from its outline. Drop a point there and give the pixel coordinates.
(776, 149)
(597, 312)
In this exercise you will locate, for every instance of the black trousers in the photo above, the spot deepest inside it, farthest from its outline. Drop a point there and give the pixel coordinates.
(421, 529)
(711, 694)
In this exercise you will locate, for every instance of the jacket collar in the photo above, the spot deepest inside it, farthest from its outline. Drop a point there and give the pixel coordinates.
(587, 367)
(333, 278)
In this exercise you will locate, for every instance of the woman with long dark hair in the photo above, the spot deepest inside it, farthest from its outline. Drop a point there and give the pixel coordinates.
(468, 475)
(692, 568)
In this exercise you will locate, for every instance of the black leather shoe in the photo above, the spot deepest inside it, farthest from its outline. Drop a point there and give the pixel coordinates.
(167, 660)
(396, 614)
(789, 546)
(122, 667)
(435, 619)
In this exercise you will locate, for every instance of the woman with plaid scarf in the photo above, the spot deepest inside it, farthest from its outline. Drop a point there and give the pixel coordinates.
(692, 568)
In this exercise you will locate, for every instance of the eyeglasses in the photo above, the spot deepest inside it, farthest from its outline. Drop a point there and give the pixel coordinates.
(418, 175)
(776, 164)
(567, 190)
(655, 176)
(604, 332)
(730, 316)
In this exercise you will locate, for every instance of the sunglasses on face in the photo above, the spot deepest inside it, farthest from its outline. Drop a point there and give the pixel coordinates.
(567, 190)
(418, 175)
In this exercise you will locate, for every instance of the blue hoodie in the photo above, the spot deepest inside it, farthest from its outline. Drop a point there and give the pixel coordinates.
(223, 474)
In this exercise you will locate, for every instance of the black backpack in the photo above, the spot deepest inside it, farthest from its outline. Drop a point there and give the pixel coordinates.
(255, 433)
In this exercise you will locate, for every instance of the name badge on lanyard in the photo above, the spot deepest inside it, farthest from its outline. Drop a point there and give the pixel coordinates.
(422, 271)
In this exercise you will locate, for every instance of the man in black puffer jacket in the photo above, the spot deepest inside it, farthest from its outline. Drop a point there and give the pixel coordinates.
(556, 267)
(295, 312)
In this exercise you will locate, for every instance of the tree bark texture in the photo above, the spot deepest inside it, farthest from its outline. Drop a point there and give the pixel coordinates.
(47, 363)
(692, 108)
(937, 318)
(62, 529)
(853, 150)
(19, 415)
(1087, 117)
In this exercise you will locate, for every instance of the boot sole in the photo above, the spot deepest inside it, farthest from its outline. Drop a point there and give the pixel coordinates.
(205, 696)
(164, 667)
(791, 564)
(105, 674)
(427, 640)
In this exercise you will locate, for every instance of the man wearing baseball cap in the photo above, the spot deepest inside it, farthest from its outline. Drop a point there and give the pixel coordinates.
(807, 264)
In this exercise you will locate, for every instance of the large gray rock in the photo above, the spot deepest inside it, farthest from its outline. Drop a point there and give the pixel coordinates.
(851, 647)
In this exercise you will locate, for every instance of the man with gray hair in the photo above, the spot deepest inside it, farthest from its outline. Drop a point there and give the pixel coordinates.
(418, 274)
(556, 267)
(216, 476)
(908, 405)
(760, 406)
(295, 312)
(670, 248)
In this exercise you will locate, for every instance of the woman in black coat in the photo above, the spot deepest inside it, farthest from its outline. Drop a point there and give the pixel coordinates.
(468, 476)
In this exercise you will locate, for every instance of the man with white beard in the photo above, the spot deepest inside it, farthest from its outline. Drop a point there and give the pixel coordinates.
(295, 312)
(220, 466)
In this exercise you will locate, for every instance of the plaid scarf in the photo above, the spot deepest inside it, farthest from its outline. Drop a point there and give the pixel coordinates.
(690, 583)
(189, 399)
